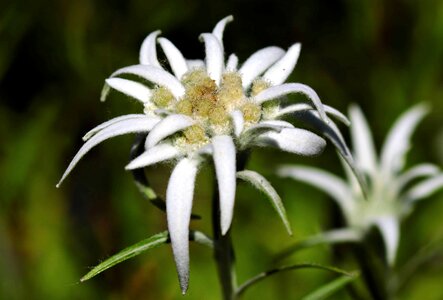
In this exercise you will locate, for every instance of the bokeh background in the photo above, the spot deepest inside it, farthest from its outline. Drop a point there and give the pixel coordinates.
(54, 57)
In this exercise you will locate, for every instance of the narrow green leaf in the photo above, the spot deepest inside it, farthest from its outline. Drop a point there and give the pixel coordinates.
(260, 183)
(131, 251)
(259, 277)
(425, 256)
(105, 92)
(336, 236)
(330, 288)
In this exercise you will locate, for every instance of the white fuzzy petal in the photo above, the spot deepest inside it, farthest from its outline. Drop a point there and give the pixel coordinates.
(148, 51)
(225, 169)
(398, 141)
(291, 88)
(331, 132)
(424, 189)
(231, 65)
(155, 75)
(362, 141)
(293, 108)
(294, 140)
(195, 64)
(258, 62)
(130, 88)
(179, 195)
(421, 170)
(280, 71)
(153, 155)
(169, 125)
(205, 150)
(278, 123)
(270, 125)
(116, 129)
(390, 232)
(238, 122)
(325, 181)
(220, 28)
(175, 57)
(214, 56)
(96, 129)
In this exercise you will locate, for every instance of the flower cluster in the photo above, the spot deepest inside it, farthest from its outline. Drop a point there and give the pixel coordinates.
(392, 192)
(195, 109)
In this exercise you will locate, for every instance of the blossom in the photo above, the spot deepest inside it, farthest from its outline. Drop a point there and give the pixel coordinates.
(197, 109)
(392, 191)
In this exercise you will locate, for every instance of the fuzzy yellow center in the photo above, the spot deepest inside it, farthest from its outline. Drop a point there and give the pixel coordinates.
(210, 105)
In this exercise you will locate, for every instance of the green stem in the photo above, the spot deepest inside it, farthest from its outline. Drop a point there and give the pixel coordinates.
(373, 272)
(223, 248)
(223, 253)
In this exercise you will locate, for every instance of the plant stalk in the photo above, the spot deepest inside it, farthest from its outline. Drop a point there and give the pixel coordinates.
(373, 272)
(223, 253)
(223, 247)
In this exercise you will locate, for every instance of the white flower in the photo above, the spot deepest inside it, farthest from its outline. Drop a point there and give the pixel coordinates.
(392, 192)
(207, 108)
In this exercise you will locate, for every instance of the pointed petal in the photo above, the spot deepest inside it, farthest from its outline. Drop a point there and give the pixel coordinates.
(238, 122)
(362, 141)
(293, 108)
(155, 75)
(232, 63)
(278, 123)
(179, 196)
(424, 189)
(130, 88)
(398, 141)
(214, 56)
(390, 232)
(169, 125)
(154, 155)
(421, 170)
(253, 131)
(258, 62)
(291, 88)
(334, 186)
(294, 140)
(175, 57)
(220, 28)
(148, 51)
(116, 129)
(280, 71)
(268, 125)
(331, 132)
(264, 186)
(195, 64)
(249, 136)
(96, 129)
(225, 169)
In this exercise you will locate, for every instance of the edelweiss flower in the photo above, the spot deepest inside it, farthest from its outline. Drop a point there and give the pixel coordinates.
(207, 108)
(392, 192)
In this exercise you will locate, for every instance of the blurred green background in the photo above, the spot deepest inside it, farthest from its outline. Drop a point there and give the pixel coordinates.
(54, 57)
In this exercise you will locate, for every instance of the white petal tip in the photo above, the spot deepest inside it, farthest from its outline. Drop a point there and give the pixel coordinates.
(184, 285)
(225, 228)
